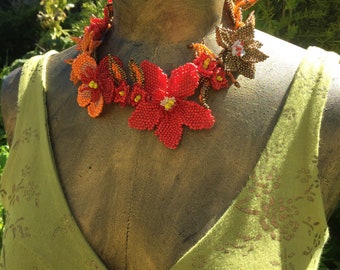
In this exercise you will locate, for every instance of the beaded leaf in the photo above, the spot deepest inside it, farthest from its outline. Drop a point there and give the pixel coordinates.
(137, 74)
(116, 69)
(200, 48)
(87, 44)
(235, 8)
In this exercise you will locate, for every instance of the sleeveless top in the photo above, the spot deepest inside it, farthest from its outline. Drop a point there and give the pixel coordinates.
(276, 222)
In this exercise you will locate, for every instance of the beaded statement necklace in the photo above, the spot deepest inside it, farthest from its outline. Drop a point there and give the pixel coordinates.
(161, 103)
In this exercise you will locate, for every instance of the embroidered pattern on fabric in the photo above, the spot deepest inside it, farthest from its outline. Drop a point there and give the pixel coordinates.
(277, 216)
(14, 194)
(16, 228)
(286, 258)
(65, 226)
(32, 192)
(22, 190)
(316, 237)
(280, 214)
(245, 244)
(28, 134)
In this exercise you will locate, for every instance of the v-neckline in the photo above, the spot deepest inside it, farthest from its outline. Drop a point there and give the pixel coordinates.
(228, 209)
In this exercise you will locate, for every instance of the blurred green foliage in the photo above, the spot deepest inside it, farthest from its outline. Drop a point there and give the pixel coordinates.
(302, 22)
(51, 17)
(32, 27)
(28, 29)
(19, 30)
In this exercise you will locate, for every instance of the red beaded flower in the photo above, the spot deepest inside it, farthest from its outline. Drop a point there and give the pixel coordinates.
(138, 95)
(219, 79)
(208, 67)
(122, 93)
(167, 108)
(99, 25)
(205, 64)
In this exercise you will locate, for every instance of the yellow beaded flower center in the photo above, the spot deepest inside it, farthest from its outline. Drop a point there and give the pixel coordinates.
(168, 103)
(93, 85)
(137, 98)
(206, 63)
(219, 78)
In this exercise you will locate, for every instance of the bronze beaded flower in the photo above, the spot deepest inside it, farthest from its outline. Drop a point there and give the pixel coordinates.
(240, 51)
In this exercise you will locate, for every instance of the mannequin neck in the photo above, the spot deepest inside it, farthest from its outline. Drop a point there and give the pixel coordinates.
(171, 21)
(161, 32)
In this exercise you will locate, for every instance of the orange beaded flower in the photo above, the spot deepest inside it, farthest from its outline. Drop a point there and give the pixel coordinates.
(97, 87)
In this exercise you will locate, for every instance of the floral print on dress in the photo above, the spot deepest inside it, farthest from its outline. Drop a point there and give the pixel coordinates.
(17, 228)
(32, 193)
(23, 190)
(66, 225)
(279, 218)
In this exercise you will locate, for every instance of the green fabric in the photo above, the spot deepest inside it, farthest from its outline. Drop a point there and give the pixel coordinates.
(40, 232)
(276, 222)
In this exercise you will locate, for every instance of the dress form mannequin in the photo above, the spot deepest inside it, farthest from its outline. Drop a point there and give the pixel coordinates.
(129, 194)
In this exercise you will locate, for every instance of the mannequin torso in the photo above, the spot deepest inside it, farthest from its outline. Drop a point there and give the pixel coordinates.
(137, 202)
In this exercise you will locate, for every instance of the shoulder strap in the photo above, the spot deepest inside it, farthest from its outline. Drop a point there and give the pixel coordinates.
(31, 94)
(278, 220)
(40, 228)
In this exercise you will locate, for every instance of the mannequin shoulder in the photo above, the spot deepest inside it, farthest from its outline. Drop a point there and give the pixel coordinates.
(283, 58)
(10, 87)
(9, 96)
(331, 120)
(329, 154)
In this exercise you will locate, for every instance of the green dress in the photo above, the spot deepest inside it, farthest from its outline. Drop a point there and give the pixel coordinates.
(276, 222)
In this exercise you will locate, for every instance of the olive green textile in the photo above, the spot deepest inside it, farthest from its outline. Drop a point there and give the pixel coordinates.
(40, 232)
(276, 222)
